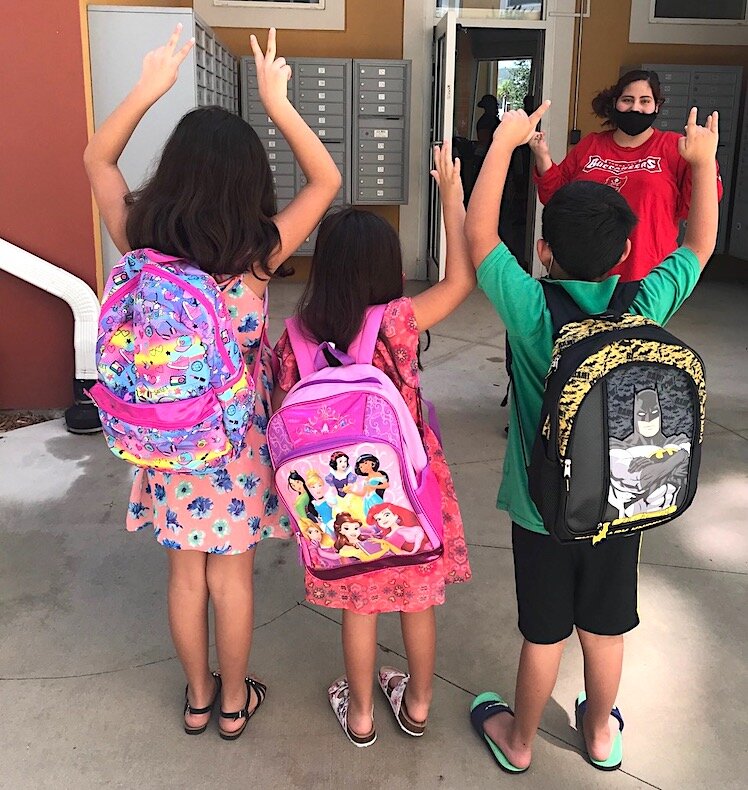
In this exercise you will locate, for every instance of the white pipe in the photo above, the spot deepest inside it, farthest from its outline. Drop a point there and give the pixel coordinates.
(82, 300)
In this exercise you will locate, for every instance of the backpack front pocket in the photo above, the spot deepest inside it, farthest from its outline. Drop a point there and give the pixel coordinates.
(179, 436)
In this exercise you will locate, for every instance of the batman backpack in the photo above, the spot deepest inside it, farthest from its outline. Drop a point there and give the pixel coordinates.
(619, 436)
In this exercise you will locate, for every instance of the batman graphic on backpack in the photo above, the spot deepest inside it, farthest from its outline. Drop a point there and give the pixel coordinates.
(619, 439)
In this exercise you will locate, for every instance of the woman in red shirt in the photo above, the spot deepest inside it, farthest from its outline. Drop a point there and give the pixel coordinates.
(640, 162)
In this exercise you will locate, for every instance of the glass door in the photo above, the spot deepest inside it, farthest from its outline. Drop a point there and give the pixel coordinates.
(442, 120)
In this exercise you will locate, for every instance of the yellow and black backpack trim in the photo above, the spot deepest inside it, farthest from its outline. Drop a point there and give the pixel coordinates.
(619, 440)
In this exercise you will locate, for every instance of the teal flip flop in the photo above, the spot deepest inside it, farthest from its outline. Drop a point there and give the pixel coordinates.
(615, 758)
(483, 707)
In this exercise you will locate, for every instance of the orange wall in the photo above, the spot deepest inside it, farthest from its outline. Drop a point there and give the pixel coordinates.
(606, 47)
(45, 202)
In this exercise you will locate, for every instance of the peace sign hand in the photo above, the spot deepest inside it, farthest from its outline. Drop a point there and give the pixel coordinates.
(273, 73)
(161, 66)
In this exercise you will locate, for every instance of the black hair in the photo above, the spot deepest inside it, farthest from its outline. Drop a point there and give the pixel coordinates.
(586, 226)
(605, 102)
(357, 262)
(311, 511)
(210, 199)
(335, 457)
(366, 457)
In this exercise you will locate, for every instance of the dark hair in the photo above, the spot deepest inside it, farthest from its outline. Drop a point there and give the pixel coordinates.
(366, 457)
(335, 457)
(357, 262)
(211, 197)
(311, 511)
(604, 103)
(586, 226)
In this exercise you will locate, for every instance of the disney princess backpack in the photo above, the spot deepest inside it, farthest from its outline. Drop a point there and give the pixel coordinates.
(350, 464)
(173, 392)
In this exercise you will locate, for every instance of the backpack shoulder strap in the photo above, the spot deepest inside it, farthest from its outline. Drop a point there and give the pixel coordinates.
(304, 349)
(563, 309)
(623, 297)
(362, 347)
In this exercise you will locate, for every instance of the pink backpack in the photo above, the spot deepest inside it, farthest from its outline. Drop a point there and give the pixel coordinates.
(350, 464)
(173, 392)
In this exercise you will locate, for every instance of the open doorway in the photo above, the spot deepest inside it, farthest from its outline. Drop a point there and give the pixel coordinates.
(498, 70)
(493, 69)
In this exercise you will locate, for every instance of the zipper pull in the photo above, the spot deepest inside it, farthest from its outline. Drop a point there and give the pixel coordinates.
(567, 472)
(554, 362)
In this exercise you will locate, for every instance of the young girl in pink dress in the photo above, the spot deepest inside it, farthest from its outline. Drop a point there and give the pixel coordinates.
(210, 202)
(357, 263)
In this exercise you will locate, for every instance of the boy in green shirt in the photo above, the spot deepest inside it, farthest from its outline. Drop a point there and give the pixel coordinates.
(559, 587)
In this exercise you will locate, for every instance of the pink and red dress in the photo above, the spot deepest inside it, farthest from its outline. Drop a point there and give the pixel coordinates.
(407, 588)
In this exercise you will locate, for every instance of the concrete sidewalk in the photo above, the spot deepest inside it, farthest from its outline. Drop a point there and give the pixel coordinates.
(91, 691)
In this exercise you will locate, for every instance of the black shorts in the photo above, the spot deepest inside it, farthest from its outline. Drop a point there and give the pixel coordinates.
(560, 586)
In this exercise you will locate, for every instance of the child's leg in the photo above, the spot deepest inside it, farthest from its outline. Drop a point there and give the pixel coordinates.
(359, 655)
(230, 584)
(536, 677)
(419, 637)
(187, 599)
(603, 662)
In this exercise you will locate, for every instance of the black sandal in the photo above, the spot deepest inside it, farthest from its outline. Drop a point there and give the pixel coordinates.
(199, 711)
(260, 690)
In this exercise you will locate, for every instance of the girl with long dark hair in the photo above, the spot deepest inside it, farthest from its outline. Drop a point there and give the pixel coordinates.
(210, 201)
(357, 263)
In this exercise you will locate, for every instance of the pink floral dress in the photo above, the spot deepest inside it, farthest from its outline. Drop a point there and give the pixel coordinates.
(231, 510)
(408, 588)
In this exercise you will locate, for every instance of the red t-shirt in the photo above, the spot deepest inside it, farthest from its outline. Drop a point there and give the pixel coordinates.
(653, 177)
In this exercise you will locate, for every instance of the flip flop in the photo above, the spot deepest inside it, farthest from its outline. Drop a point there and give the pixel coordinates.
(396, 697)
(339, 696)
(483, 707)
(615, 758)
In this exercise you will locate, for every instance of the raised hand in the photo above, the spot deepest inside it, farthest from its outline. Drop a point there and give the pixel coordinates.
(539, 145)
(273, 73)
(699, 146)
(161, 66)
(446, 173)
(517, 127)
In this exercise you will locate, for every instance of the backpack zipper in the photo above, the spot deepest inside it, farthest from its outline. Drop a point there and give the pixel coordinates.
(567, 473)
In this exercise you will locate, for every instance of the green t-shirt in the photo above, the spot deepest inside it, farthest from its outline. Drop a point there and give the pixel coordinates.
(519, 301)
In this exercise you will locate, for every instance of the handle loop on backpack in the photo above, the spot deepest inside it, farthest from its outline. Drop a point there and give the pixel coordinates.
(310, 356)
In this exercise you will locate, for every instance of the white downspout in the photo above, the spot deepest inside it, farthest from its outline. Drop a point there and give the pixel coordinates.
(85, 306)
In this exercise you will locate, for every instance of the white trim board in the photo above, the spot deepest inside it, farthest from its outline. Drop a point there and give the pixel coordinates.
(331, 17)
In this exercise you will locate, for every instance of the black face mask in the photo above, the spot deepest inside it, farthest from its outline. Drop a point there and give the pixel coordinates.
(633, 122)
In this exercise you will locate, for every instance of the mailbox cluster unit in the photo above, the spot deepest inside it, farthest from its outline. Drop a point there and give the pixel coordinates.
(217, 71)
(380, 131)
(118, 38)
(709, 88)
(359, 109)
(320, 90)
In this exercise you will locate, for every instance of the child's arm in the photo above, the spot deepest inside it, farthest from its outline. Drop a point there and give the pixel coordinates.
(699, 149)
(160, 69)
(437, 302)
(297, 220)
(482, 221)
(539, 148)
(277, 398)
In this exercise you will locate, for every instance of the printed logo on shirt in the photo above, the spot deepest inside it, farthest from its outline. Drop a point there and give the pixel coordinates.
(650, 164)
(617, 182)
